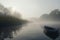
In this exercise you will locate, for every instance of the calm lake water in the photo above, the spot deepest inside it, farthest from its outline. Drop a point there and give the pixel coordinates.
(34, 31)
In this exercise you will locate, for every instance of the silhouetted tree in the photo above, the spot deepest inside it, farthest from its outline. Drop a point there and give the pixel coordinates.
(9, 23)
(52, 16)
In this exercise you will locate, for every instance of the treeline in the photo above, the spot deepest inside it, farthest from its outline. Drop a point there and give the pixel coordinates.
(52, 16)
(9, 22)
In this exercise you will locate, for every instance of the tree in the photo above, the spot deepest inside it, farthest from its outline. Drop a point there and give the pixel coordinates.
(52, 16)
(9, 23)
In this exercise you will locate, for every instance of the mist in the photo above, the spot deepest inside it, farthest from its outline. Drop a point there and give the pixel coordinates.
(34, 29)
(26, 19)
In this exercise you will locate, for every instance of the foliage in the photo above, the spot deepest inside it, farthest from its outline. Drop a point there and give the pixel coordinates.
(9, 23)
(52, 16)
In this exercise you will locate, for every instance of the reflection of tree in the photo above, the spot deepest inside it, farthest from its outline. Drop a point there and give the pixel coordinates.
(9, 23)
(53, 16)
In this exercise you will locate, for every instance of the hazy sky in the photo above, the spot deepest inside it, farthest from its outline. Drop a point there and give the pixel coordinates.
(32, 8)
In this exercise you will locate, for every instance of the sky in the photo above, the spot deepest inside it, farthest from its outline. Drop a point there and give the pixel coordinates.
(32, 8)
